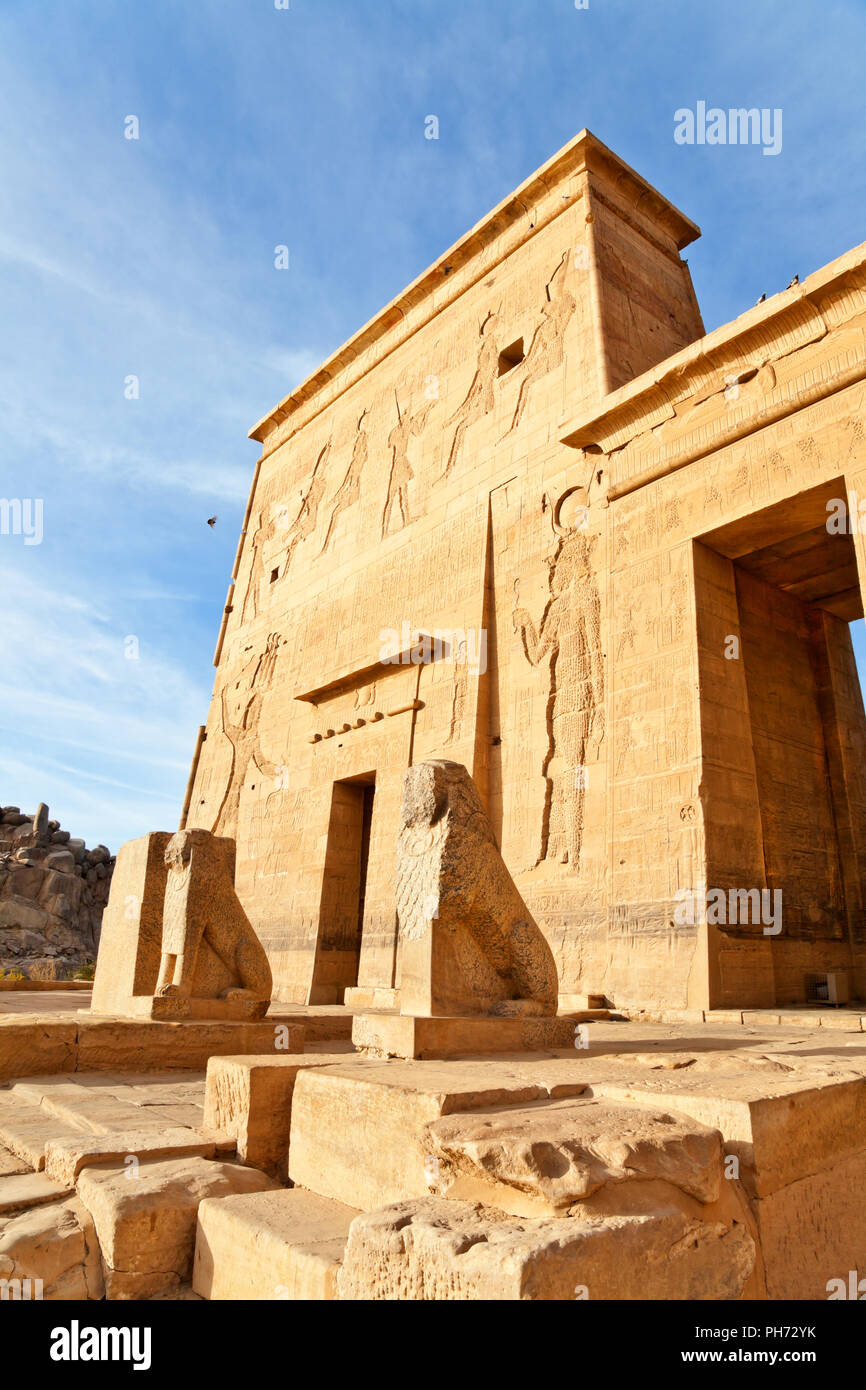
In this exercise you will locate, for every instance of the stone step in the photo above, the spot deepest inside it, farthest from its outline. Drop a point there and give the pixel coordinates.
(781, 1129)
(147, 1227)
(274, 1245)
(22, 1190)
(95, 1111)
(26, 1130)
(10, 1163)
(250, 1098)
(31, 1044)
(65, 1157)
(357, 1130)
(139, 1088)
(366, 997)
(369, 1135)
(411, 1036)
(99, 1103)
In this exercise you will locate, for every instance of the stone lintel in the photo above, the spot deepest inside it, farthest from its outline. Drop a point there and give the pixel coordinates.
(364, 675)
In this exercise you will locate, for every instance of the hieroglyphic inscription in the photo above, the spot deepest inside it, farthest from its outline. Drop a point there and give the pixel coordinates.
(240, 716)
(569, 636)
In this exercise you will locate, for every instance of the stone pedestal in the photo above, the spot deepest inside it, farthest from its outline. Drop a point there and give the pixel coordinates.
(404, 1035)
(371, 997)
(176, 942)
(131, 942)
(173, 1008)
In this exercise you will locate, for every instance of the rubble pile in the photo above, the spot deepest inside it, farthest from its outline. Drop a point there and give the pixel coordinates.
(52, 893)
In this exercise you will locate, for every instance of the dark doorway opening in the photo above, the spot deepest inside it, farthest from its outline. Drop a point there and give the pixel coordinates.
(344, 889)
(783, 726)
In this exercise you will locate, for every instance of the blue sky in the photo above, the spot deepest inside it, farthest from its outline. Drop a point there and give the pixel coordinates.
(155, 258)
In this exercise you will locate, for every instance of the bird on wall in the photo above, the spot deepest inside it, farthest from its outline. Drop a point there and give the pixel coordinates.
(761, 300)
(795, 281)
(212, 521)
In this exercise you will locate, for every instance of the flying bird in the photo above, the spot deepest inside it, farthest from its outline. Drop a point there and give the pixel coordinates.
(795, 281)
(212, 521)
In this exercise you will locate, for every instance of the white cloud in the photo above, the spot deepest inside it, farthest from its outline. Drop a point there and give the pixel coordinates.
(67, 689)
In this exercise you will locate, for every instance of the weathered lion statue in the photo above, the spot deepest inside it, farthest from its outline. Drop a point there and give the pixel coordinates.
(209, 949)
(468, 944)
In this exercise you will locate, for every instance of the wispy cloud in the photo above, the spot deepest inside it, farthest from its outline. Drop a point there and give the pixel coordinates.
(88, 715)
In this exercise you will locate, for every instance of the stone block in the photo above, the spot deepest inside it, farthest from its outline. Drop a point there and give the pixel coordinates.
(91, 1109)
(11, 1164)
(814, 1230)
(65, 1158)
(781, 1130)
(56, 1244)
(250, 1099)
(146, 1224)
(323, 1024)
(27, 1130)
(358, 1136)
(24, 1190)
(106, 1044)
(364, 997)
(272, 1245)
(131, 940)
(173, 1009)
(546, 1158)
(402, 1035)
(434, 1249)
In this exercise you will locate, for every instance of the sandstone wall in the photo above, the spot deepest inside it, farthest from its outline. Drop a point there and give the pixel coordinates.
(410, 494)
(482, 461)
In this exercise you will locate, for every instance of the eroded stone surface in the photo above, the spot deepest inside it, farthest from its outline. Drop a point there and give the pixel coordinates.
(443, 1250)
(56, 1244)
(547, 1157)
(357, 1131)
(146, 1222)
(65, 1158)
